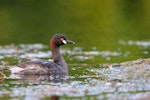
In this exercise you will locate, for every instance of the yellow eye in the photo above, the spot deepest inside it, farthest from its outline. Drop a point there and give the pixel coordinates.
(64, 41)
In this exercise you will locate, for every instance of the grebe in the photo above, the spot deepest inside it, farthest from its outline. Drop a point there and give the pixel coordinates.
(41, 67)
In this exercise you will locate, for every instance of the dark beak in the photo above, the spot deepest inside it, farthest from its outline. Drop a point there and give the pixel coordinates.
(70, 42)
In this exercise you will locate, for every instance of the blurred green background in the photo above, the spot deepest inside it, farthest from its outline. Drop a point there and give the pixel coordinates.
(99, 23)
(95, 25)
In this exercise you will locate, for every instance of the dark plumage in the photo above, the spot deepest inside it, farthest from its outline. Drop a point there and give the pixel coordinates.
(46, 67)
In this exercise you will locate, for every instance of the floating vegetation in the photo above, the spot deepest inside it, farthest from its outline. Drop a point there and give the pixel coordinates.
(2, 76)
(88, 78)
(138, 43)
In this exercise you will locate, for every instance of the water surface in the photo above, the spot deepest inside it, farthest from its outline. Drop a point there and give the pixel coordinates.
(88, 78)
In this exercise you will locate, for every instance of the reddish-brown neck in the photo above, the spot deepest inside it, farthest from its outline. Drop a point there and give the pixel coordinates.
(55, 51)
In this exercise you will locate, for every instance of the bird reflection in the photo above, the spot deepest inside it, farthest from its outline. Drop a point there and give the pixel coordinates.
(53, 78)
(41, 79)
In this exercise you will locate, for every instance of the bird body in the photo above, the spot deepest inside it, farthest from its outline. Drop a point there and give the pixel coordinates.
(42, 67)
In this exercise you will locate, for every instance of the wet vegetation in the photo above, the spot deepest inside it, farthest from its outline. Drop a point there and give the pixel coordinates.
(85, 80)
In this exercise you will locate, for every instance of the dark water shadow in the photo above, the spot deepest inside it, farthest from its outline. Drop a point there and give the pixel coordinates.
(54, 97)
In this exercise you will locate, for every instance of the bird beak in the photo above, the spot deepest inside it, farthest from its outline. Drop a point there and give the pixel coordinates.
(67, 41)
(70, 42)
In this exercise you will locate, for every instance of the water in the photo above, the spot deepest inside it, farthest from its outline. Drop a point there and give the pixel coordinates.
(86, 80)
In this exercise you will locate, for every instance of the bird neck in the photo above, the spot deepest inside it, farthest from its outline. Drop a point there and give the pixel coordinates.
(59, 60)
(56, 54)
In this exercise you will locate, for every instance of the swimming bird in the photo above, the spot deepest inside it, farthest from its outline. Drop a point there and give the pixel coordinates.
(42, 67)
